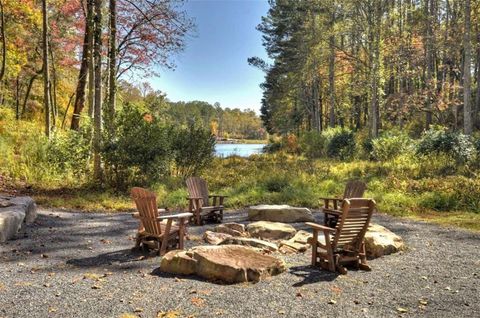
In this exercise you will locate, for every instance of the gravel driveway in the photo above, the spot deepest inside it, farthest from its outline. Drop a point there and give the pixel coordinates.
(80, 265)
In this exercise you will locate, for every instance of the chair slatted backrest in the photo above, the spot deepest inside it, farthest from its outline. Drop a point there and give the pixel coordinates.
(146, 203)
(354, 189)
(353, 223)
(197, 188)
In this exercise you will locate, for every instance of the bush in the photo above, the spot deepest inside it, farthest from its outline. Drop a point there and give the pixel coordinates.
(193, 149)
(390, 145)
(440, 141)
(340, 143)
(312, 144)
(140, 152)
(69, 151)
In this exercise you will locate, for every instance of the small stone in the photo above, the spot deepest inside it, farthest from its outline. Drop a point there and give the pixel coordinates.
(332, 301)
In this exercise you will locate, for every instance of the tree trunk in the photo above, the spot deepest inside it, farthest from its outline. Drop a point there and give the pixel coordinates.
(46, 77)
(97, 118)
(467, 106)
(27, 93)
(429, 15)
(477, 98)
(4, 41)
(79, 103)
(91, 62)
(112, 89)
(331, 74)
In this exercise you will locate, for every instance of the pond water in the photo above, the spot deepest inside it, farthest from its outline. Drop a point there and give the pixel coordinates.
(242, 150)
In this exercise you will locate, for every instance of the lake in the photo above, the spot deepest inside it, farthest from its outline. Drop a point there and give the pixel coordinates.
(242, 150)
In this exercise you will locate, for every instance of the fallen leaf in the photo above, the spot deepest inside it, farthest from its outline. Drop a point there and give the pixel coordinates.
(96, 287)
(138, 310)
(281, 312)
(402, 310)
(52, 309)
(92, 276)
(197, 301)
(43, 255)
(128, 316)
(332, 301)
(169, 314)
(104, 241)
(423, 302)
(299, 295)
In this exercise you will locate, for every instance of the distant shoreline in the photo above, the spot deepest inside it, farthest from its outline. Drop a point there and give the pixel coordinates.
(241, 141)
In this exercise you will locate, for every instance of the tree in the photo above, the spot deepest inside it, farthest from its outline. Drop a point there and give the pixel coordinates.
(97, 108)
(467, 106)
(46, 76)
(112, 76)
(79, 103)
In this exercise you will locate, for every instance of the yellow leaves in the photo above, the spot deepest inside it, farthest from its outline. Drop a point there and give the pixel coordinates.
(127, 315)
(198, 302)
(169, 314)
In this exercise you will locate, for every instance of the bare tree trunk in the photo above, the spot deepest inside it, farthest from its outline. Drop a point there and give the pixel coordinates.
(29, 89)
(112, 88)
(331, 74)
(467, 106)
(429, 15)
(4, 41)
(91, 62)
(97, 119)
(477, 97)
(17, 98)
(46, 77)
(53, 88)
(79, 103)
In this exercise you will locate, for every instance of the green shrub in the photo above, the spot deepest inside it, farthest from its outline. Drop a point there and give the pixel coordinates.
(312, 144)
(276, 183)
(340, 143)
(390, 145)
(440, 141)
(193, 149)
(140, 151)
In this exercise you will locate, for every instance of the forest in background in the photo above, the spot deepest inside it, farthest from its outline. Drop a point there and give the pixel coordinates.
(374, 64)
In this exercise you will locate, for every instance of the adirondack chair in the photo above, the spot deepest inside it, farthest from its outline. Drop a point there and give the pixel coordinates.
(199, 202)
(344, 244)
(151, 228)
(353, 189)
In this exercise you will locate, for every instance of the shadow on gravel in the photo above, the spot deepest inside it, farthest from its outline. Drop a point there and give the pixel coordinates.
(311, 275)
(112, 258)
(157, 272)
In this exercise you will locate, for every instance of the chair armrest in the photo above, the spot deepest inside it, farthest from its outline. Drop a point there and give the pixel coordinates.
(320, 227)
(175, 216)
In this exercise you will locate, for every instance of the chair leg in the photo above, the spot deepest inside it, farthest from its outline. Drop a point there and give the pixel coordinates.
(363, 259)
(138, 241)
(314, 247)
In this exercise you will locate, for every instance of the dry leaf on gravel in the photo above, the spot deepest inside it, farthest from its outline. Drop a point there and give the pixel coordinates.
(332, 301)
(169, 314)
(128, 316)
(402, 310)
(197, 301)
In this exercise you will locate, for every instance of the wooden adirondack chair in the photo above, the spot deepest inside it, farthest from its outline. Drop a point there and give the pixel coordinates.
(353, 189)
(152, 228)
(199, 202)
(344, 244)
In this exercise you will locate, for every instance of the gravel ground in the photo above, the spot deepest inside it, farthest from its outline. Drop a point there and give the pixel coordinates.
(80, 265)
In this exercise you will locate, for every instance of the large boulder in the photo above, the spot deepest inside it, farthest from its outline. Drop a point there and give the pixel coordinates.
(252, 242)
(226, 263)
(178, 262)
(380, 241)
(233, 229)
(279, 213)
(271, 230)
(14, 211)
(215, 238)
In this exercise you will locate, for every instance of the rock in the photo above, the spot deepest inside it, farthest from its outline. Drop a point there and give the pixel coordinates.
(380, 241)
(215, 238)
(234, 229)
(178, 262)
(235, 264)
(252, 242)
(298, 247)
(227, 263)
(279, 213)
(271, 230)
(302, 237)
(13, 212)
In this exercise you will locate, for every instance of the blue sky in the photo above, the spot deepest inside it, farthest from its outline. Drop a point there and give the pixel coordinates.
(213, 67)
